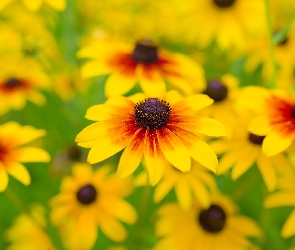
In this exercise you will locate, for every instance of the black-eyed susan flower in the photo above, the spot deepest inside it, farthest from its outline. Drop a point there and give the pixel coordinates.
(13, 153)
(224, 92)
(34, 5)
(216, 227)
(243, 150)
(193, 185)
(157, 129)
(145, 63)
(21, 81)
(227, 21)
(28, 231)
(90, 200)
(284, 197)
(275, 117)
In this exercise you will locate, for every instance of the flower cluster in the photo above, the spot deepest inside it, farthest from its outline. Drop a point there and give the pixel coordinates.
(188, 141)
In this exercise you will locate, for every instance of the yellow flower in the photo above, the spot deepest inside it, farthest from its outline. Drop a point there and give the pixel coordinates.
(90, 200)
(284, 197)
(190, 186)
(34, 5)
(159, 129)
(243, 150)
(217, 227)
(20, 81)
(275, 117)
(13, 153)
(226, 22)
(224, 92)
(28, 232)
(145, 63)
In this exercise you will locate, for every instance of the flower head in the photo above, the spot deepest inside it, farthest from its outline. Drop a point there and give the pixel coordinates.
(13, 153)
(146, 64)
(216, 227)
(59, 5)
(90, 200)
(157, 129)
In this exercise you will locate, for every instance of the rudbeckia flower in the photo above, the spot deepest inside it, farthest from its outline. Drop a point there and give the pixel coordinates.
(90, 200)
(275, 117)
(21, 81)
(155, 128)
(224, 92)
(284, 197)
(13, 153)
(193, 185)
(226, 22)
(241, 151)
(217, 227)
(146, 64)
(28, 231)
(34, 5)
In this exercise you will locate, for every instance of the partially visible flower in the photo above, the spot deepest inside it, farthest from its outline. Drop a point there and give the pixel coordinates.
(13, 153)
(28, 231)
(275, 117)
(193, 185)
(145, 63)
(218, 227)
(20, 81)
(34, 5)
(244, 149)
(90, 200)
(155, 128)
(284, 197)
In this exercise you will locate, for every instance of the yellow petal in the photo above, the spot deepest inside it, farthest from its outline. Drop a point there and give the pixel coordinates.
(201, 193)
(210, 127)
(32, 154)
(279, 199)
(33, 5)
(103, 112)
(259, 126)
(19, 172)
(119, 84)
(94, 68)
(245, 226)
(184, 195)
(163, 188)
(57, 4)
(193, 103)
(82, 170)
(274, 143)
(288, 229)
(3, 178)
(268, 173)
(174, 150)
(113, 229)
(226, 162)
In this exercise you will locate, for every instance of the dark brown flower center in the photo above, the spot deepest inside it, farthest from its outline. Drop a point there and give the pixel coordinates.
(283, 42)
(86, 194)
(213, 219)
(145, 51)
(12, 83)
(256, 139)
(152, 113)
(224, 3)
(74, 153)
(293, 112)
(216, 90)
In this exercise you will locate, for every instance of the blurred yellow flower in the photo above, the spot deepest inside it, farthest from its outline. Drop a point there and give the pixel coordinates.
(13, 153)
(145, 63)
(284, 197)
(90, 200)
(217, 227)
(155, 128)
(34, 5)
(28, 232)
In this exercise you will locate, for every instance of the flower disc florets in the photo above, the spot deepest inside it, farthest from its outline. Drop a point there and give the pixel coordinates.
(216, 90)
(145, 51)
(224, 3)
(213, 219)
(256, 139)
(86, 194)
(152, 113)
(13, 83)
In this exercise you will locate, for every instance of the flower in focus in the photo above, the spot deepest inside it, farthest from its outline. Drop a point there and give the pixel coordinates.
(284, 197)
(28, 232)
(146, 64)
(243, 150)
(217, 227)
(275, 117)
(157, 128)
(21, 81)
(88, 200)
(224, 92)
(227, 21)
(13, 153)
(193, 185)
(34, 5)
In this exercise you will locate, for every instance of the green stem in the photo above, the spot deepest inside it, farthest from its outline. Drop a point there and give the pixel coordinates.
(273, 80)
